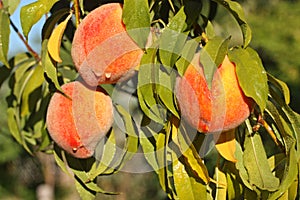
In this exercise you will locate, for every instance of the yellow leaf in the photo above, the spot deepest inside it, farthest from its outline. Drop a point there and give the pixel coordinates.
(55, 39)
(225, 144)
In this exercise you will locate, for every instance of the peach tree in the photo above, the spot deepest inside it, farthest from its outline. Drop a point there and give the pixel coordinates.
(237, 139)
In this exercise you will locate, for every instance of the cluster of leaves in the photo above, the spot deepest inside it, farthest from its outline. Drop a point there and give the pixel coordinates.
(257, 160)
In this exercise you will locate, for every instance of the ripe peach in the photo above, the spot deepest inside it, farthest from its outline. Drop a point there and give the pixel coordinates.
(221, 108)
(78, 120)
(102, 50)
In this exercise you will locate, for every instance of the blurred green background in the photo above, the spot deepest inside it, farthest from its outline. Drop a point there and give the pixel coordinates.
(276, 37)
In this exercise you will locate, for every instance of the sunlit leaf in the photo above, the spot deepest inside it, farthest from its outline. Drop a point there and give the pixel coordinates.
(11, 5)
(212, 55)
(147, 86)
(55, 40)
(35, 81)
(256, 163)
(13, 125)
(226, 145)
(289, 176)
(4, 36)
(187, 55)
(49, 68)
(172, 39)
(221, 191)
(192, 158)
(165, 89)
(52, 21)
(32, 13)
(186, 186)
(136, 18)
(251, 74)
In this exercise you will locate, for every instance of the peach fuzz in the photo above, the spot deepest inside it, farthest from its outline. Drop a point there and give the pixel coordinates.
(221, 108)
(102, 51)
(78, 119)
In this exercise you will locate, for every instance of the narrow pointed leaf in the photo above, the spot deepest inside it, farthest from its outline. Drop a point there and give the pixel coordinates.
(226, 145)
(33, 12)
(4, 37)
(55, 40)
(136, 17)
(11, 5)
(251, 75)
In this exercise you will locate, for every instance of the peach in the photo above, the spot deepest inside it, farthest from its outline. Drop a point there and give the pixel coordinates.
(102, 50)
(221, 108)
(78, 119)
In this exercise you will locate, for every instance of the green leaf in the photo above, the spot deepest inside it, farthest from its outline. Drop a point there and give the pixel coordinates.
(11, 5)
(290, 175)
(148, 149)
(187, 188)
(165, 89)
(52, 21)
(49, 68)
(36, 80)
(282, 86)
(4, 37)
(172, 39)
(190, 154)
(147, 87)
(136, 17)
(32, 13)
(187, 55)
(212, 55)
(13, 125)
(106, 157)
(256, 163)
(221, 191)
(238, 13)
(251, 75)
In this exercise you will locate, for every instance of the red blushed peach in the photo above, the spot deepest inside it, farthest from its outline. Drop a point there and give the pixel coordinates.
(221, 108)
(102, 50)
(78, 119)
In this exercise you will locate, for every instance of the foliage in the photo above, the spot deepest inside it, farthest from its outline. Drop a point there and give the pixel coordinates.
(259, 159)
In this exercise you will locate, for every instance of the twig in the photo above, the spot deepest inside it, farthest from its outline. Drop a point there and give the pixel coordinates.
(35, 54)
(77, 12)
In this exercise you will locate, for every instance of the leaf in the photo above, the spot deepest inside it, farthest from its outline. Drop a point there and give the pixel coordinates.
(221, 190)
(256, 163)
(13, 125)
(226, 145)
(238, 13)
(107, 155)
(147, 86)
(282, 86)
(289, 176)
(11, 5)
(35, 81)
(4, 37)
(212, 55)
(191, 156)
(187, 55)
(172, 39)
(165, 90)
(186, 186)
(54, 42)
(32, 13)
(49, 68)
(136, 17)
(148, 150)
(251, 75)
(52, 21)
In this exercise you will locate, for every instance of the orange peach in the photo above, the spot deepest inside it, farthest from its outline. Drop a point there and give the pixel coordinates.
(221, 108)
(102, 50)
(78, 119)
